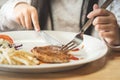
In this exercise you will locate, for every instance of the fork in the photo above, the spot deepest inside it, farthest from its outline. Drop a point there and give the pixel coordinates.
(78, 39)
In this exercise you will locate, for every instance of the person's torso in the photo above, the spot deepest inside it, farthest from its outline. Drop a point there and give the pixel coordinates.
(66, 15)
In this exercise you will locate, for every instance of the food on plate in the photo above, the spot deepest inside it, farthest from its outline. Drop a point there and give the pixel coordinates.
(17, 57)
(52, 54)
(21, 57)
(7, 38)
(10, 54)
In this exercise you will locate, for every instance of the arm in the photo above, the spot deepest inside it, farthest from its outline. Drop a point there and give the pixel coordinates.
(7, 16)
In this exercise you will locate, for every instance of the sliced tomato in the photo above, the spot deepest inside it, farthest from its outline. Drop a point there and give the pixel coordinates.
(76, 49)
(7, 38)
(73, 58)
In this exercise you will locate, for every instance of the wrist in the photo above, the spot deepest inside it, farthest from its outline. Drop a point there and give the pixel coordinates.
(112, 47)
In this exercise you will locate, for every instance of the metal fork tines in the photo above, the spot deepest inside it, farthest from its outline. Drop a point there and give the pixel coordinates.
(74, 43)
(78, 39)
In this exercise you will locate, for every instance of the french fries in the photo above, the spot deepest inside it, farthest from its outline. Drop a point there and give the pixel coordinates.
(17, 57)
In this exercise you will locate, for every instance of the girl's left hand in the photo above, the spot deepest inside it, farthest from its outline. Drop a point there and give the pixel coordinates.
(106, 25)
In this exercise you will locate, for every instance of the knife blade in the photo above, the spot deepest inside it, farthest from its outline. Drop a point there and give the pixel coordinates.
(50, 39)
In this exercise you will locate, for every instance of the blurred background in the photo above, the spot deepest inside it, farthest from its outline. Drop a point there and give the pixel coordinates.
(2, 2)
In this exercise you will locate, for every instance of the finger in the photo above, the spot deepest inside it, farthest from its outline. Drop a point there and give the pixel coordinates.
(35, 20)
(101, 20)
(95, 6)
(110, 37)
(22, 20)
(98, 12)
(103, 27)
(105, 34)
(28, 21)
(18, 20)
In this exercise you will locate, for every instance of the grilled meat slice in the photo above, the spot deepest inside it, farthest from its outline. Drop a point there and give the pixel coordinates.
(51, 54)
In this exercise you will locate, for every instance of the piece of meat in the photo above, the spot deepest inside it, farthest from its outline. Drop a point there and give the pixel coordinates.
(51, 54)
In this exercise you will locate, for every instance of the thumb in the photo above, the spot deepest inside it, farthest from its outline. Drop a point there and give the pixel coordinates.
(95, 6)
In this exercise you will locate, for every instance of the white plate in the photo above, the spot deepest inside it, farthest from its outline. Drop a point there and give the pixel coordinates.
(93, 50)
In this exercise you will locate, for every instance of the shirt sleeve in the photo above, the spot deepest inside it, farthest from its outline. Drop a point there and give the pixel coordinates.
(115, 8)
(6, 14)
(114, 48)
(7, 8)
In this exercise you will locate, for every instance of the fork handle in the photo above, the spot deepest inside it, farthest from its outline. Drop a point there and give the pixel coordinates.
(89, 22)
(106, 4)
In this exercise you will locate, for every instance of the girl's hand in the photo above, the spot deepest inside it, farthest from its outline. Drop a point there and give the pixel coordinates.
(106, 25)
(26, 15)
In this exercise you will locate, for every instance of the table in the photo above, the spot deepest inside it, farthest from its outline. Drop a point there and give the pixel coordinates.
(106, 68)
